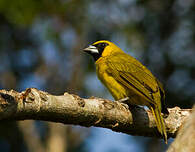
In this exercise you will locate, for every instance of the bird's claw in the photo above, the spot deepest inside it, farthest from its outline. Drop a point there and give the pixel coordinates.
(123, 100)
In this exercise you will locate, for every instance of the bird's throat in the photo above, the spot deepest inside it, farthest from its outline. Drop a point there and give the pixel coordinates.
(96, 56)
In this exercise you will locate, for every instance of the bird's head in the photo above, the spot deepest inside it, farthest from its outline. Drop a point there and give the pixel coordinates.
(102, 48)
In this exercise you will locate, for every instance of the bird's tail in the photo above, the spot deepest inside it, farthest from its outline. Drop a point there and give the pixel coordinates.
(159, 122)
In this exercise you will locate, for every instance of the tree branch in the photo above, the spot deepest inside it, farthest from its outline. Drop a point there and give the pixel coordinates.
(71, 109)
(186, 136)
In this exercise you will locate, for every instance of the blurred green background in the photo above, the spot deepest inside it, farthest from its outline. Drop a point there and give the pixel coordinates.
(41, 45)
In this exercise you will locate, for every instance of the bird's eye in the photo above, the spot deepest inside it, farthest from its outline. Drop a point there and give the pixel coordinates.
(102, 45)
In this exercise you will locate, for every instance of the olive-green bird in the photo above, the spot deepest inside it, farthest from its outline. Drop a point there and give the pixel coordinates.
(124, 76)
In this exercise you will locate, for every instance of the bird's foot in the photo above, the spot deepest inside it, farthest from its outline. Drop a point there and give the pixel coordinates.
(123, 102)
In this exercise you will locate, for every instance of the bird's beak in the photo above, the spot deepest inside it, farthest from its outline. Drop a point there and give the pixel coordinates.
(91, 49)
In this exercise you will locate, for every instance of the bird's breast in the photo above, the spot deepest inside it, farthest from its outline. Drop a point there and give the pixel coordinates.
(116, 89)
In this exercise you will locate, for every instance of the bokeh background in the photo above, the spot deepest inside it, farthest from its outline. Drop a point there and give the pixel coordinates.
(41, 45)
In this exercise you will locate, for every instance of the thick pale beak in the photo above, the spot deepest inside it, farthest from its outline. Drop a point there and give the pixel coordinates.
(91, 50)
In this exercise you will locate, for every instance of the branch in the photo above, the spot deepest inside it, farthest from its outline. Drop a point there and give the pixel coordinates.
(71, 109)
(186, 136)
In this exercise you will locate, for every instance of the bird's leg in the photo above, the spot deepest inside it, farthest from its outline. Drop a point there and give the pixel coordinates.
(123, 101)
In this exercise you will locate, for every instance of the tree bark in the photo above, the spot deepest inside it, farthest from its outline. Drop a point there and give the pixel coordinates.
(186, 136)
(71, 109)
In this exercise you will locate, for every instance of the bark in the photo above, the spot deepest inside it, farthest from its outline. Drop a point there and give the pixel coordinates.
(186, 136)
(71, 109)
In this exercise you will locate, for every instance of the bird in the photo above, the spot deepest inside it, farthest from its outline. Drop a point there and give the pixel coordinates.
(126, 77)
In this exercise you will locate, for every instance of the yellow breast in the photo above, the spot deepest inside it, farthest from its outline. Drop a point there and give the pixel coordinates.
(116, 89)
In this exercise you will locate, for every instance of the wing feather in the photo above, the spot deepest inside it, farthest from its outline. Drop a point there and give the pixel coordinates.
(132, 74)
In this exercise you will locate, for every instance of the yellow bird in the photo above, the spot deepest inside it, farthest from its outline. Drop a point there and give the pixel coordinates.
(124, 76)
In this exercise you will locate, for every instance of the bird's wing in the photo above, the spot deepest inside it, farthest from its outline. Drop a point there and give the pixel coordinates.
(131, 73)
